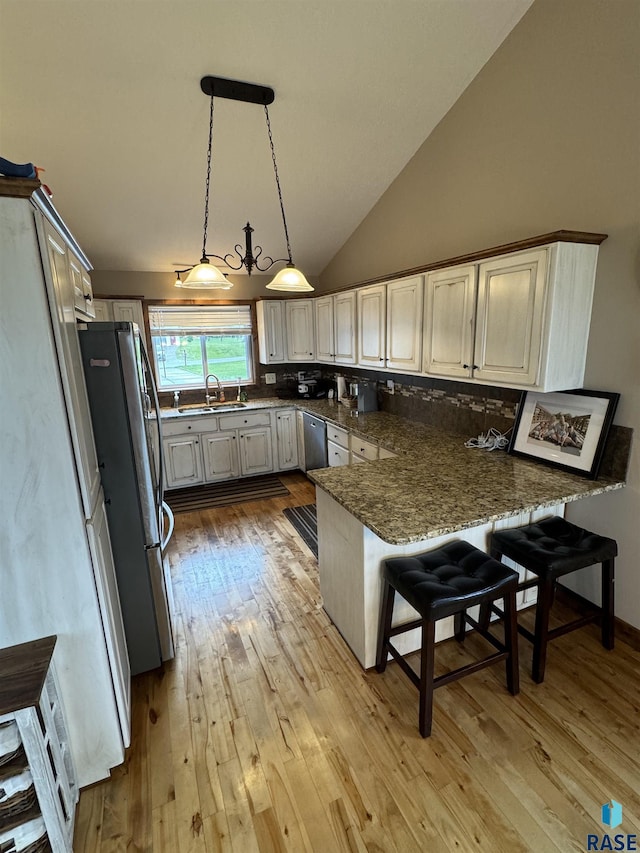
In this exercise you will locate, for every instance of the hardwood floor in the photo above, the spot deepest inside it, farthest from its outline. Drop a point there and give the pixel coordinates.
(264, 734)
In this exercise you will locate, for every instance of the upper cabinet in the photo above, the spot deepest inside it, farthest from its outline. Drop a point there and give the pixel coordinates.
(299, 330)
(120, 310)
(389, 325)
(335, 318)
(404, 327)
(372, 326)
(519, 319)
(271, 331)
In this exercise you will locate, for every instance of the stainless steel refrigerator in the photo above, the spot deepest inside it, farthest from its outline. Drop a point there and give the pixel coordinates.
(124, 411)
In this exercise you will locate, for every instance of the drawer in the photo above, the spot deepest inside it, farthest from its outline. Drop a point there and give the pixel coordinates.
(364, 448)
(186, 425)
(337, 455)
(248, 419)
(383, 453)
(337, 435)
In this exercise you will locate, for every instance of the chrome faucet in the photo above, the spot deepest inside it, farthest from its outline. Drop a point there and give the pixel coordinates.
(220, 392)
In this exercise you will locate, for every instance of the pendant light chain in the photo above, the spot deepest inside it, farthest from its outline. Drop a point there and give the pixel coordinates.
(275, 169)
(206, 193)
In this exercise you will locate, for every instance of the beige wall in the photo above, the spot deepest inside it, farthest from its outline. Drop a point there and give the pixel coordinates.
(546, 137)
(157, 285)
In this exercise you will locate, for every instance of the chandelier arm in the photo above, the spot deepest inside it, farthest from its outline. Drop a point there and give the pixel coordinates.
(275, 170)
(208, 183)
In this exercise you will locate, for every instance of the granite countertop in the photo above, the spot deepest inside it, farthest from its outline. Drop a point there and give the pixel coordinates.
(435, 485)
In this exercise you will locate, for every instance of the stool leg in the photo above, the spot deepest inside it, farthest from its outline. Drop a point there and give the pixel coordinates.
(459, 625)
(426, 676)
(545, 597)
(608, 606)
(386, 615)
(511, 641)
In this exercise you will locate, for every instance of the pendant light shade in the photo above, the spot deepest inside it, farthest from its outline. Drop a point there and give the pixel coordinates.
(205, 274)
(289, 279)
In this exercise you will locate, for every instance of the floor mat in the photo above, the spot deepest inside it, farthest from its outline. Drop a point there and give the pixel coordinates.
(305, 521)
(224, 494)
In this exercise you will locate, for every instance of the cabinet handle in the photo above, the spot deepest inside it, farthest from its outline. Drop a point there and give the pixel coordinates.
(87, 296)
(189, 427)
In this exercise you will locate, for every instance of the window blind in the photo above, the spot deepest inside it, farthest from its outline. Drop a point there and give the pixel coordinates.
(200, 319)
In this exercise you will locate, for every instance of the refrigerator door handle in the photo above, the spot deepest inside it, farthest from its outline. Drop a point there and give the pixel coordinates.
(166, 512)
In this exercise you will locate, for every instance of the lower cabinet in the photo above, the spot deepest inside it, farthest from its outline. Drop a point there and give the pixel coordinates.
(286, 439)
(337, 455)
(183, 461)
(225, 447)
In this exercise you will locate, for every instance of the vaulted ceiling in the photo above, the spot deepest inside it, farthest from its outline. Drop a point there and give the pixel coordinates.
(105, 95)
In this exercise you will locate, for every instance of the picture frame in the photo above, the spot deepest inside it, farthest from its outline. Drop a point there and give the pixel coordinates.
(564, 429)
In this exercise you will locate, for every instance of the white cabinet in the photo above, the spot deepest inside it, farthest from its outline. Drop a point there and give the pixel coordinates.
(271, 331)
(325, 339)
(520, 319)
(449, 321)
(255, 448)
(300, 330)
(56, 264)
(220, 451)
(337, 446)
(372, 322)
(82, 289)
(335, 318)
(125, 310)
(337, 455)
(404, 324)
(286, 439)
(183, 461)
(362, 450)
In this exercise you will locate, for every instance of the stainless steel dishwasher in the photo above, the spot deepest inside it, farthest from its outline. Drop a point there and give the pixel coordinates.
(315, 442)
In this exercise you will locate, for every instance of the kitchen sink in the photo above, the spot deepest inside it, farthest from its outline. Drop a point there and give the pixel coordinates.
(213, 407)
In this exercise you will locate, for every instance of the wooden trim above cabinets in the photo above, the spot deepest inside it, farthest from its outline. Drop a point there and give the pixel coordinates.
(505, 249)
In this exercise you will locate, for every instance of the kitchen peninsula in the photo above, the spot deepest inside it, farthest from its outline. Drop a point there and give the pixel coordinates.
(435, 490)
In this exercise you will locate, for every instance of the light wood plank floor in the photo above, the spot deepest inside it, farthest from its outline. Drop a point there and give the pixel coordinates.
(264, 734)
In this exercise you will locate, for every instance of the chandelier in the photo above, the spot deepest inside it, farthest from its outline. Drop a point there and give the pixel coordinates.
(205, 275)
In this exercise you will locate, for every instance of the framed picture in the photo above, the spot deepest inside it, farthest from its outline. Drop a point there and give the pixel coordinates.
(565, 429)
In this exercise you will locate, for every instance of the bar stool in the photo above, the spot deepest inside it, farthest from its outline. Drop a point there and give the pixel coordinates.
(446, 582)
(550, 549)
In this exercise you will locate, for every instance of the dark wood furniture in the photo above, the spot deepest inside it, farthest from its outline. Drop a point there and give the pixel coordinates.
(550, 549)
(447, 582)
(38, 792)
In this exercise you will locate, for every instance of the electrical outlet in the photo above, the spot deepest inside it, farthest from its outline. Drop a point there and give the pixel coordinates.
(391, 386)
(270, 378)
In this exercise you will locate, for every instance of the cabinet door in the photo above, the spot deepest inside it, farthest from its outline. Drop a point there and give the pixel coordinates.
(82, 289)
(371, 303)
(220, 451)
(61, 301)
(128, 310)
(104, 574)
(511, 292)
(102, 307)
(449, 313)
(344, 324)
(323, 308)
(300, 336)
(337, 455)
(404, 324)
(271, 331)
(255, 451)
(287, 439)
(183, 461)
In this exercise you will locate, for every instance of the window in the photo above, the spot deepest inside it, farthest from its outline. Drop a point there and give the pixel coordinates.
(191, 341)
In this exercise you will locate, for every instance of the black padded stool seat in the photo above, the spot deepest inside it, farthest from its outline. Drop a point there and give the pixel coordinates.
(551, 548)
(446, 582)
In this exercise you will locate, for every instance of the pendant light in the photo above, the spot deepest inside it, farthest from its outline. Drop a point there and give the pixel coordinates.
(205, 274)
